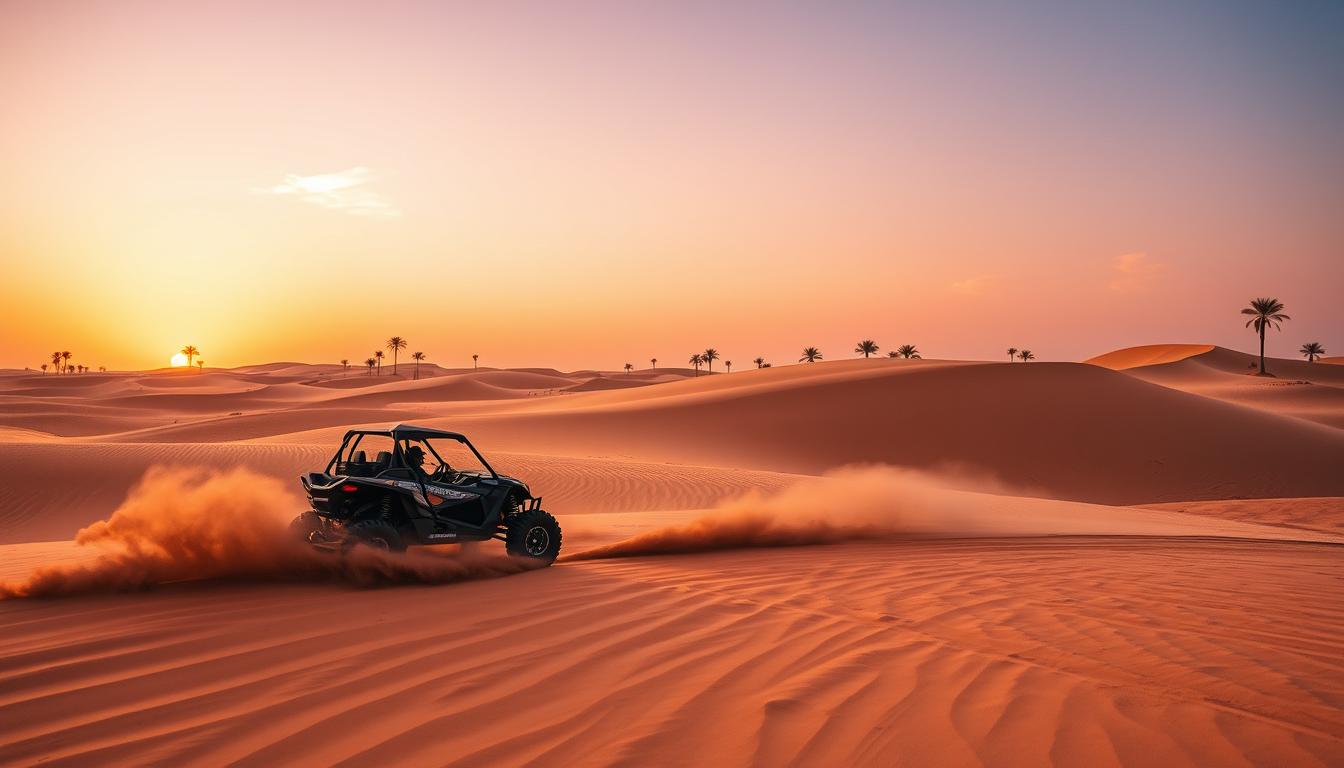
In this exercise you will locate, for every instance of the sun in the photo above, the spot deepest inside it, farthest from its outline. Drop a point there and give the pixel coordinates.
(179, 360)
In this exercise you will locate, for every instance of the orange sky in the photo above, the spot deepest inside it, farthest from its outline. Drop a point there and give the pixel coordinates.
(598, 185)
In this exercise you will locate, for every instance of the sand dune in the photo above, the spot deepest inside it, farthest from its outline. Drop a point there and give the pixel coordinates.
(1063, 652)
(951, 617)
(1299, 389)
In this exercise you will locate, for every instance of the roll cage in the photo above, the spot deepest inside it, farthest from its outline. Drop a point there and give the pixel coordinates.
(343, 463)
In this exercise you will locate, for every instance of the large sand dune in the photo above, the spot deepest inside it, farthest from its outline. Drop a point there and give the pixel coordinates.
(980, 601)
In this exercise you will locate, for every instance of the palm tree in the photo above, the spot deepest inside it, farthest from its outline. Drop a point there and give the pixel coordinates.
(474, 358)
(102, 369)
(200, 365)
(65, 358)
(378, 357)
(44, 369)
(908, 351)
(370, 362)
(628, 368)
(729, 365)
(810, 355)
(417, 357)
(696, 360)
(760, 361)
(654, 362)
(1026, 355)
(1012, 352)
(1311, 350)
(56, 361)
(1264, 312)
(345, 366)
(396, 344)
(709, 356)
(866, 347)
(190, 352)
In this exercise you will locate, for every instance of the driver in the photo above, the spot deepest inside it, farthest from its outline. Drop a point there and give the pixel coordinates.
(415, 458)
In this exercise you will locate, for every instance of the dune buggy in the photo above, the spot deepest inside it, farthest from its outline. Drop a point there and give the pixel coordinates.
(422, 486)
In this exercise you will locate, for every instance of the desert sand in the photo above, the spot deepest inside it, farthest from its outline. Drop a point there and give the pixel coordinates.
(1131, 561)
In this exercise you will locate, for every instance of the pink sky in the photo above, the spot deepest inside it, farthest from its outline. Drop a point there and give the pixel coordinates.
(598, 184)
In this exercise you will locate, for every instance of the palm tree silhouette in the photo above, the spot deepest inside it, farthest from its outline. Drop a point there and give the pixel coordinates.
(810, 355)
(628, 368)
(378, 356)
(190, 352)
(1311, 350)
(44, 369)
(102, 369)
(893, 353)
(729, 365)
(395, 344)
(200, 365)
(696, 360)
(759, 361)
(56, 361)
(866, 347)
(345, 366)
(654, 362)
(370, 362)
(474, 358)
(1026, 355)
(1264, 312)
(417, 357)
(908, 351)
(65, 360)
(1012, 352)
(709, 356)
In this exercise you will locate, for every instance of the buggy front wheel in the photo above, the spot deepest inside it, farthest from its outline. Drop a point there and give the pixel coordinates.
(534, 534)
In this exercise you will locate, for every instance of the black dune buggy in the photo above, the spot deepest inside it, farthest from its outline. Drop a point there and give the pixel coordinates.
(422, 486)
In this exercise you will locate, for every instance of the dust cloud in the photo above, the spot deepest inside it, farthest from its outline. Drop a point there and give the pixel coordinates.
(189, 524)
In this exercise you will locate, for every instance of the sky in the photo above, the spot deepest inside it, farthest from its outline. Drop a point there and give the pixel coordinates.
(583, 185)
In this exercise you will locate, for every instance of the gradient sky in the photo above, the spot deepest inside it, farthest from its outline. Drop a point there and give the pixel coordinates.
(586, 184)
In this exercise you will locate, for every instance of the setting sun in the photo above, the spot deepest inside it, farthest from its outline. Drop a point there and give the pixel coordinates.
(179, 360)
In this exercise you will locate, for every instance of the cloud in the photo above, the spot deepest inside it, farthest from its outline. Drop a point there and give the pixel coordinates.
(344, 191)
(975, 285)
(1135, 272)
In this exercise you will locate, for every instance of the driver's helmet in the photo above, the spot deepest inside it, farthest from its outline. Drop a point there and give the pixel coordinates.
(415, 455)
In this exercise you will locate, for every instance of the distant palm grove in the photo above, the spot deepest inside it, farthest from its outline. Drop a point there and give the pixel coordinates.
(1264, 313)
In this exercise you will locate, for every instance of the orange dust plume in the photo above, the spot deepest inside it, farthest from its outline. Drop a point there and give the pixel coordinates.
(881, 502)
(190, 524)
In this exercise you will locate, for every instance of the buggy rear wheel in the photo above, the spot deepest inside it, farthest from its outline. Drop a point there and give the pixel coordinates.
(375, 534)
(305, 525)
(534, 534)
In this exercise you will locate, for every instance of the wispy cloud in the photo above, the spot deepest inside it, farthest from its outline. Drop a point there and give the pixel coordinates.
(1135, 272)
(974, 285)
(344, 191)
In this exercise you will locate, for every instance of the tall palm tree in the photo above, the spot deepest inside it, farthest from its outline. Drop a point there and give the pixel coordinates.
(65, 361)
(474, 358)
(1012, 352)
(759, 361)
(696, 360)
(56, 361)
(370, 363)
(1311, 350)
(44, 369)
(1026, 355)
(908, 351)
(628, 368)
(190, 352)
(345, 366)
(654, 362)
(729, 365)
(709, 356)
(417, 357)
(378, 357)
(396, 344)
(810, 355)
(866, 347)
(1264, 312)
